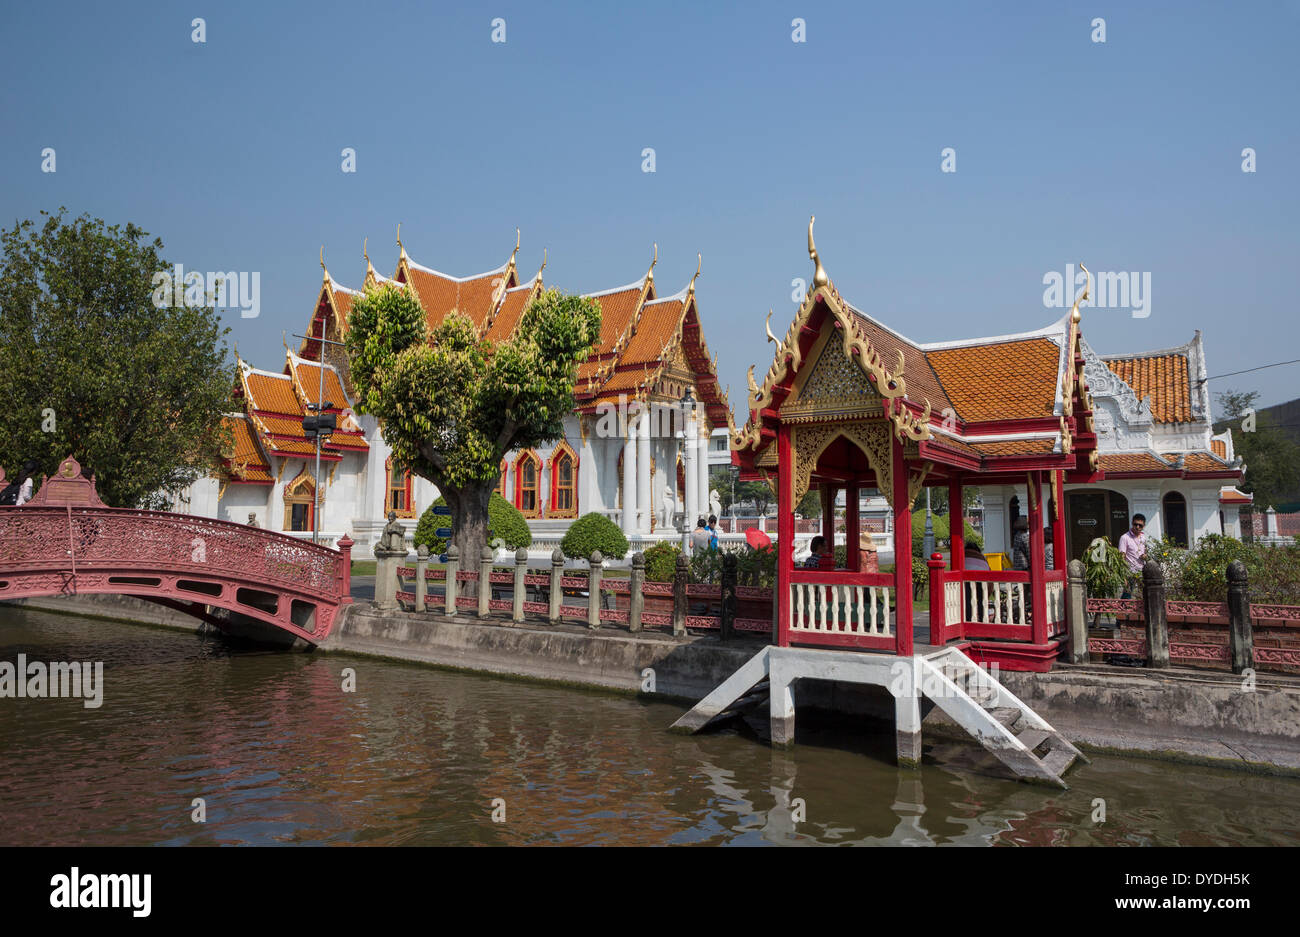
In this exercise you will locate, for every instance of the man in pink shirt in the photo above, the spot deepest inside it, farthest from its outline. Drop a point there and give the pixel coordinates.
(1133, 544)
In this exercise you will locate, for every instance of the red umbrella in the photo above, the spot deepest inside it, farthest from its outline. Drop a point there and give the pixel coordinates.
(757, 538)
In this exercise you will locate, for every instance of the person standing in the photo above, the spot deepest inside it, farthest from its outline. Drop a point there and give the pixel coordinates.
(1020, 545)
(700, 537)
(1133, 544)
(25, 483)
(713, 531)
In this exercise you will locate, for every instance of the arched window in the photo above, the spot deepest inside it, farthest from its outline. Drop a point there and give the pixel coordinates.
(1175, 518)
(564, 476)
(399, 498)
(299, 502)
(528, 470)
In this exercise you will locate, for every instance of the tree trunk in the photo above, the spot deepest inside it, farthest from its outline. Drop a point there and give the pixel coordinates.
(469, 518)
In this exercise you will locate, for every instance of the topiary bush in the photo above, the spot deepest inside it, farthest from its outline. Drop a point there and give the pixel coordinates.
(661, 561)
(505, 524)
(593, 532)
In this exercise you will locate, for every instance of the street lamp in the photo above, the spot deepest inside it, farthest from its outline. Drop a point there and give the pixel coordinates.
(322, 424)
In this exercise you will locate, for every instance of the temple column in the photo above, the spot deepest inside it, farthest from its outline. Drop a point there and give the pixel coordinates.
(784, 533)
(629, 480)
(956, 526)
(852, 528)
(902, 551)
(828, 525)
(702, 464)
(644, 503)
(692, 507)
(587, 497)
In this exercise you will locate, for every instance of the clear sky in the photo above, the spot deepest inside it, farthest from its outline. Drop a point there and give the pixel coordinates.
(1125, 155)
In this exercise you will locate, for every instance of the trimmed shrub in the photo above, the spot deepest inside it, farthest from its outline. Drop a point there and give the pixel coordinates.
(661, 561)
(505, 524)
(593, 532)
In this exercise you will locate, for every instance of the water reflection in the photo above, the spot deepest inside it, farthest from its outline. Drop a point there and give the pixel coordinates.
(416, 756)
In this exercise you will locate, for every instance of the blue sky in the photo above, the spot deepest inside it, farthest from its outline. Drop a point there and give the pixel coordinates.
(1125, 155)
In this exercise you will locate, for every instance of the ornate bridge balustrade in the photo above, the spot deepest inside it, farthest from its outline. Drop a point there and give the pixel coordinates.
(192, 564)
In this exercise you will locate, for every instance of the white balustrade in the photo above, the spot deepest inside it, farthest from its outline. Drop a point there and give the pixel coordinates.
(1055, 603)
(840, 609)
(996, 603)
(952, 610)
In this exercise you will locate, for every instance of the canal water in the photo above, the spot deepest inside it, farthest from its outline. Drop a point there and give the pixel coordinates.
(279, 753)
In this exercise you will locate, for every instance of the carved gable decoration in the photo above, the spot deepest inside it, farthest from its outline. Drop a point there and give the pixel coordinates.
(1103, 382)
(834, 387)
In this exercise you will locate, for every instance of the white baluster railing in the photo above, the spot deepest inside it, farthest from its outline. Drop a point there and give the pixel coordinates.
(840, 609)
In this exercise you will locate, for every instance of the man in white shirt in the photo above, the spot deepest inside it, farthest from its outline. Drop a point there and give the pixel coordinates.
(1133, 544)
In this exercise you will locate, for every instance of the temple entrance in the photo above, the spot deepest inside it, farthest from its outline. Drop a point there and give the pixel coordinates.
(1092, 514)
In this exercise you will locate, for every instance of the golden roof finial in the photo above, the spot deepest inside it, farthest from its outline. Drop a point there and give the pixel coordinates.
(819, 275)
(699, 263)
(768, 325)
(322, 263)
(650, 274)
(538, 278)
(370, 269)
(400, 248)
(516, 250)
(1075, 315)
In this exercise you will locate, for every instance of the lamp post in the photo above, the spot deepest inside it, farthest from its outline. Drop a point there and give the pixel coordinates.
(322, 424)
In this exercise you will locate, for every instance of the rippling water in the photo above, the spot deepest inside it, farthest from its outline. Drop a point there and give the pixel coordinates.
(281, 754)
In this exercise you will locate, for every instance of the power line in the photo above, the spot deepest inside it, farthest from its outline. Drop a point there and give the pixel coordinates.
(1248, 370)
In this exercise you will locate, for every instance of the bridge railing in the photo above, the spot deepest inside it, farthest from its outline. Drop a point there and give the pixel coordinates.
(595, 596)
(34, 539)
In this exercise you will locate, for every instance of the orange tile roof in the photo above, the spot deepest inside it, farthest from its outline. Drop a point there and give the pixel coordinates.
(1119, 462)
(1164, 378)
(616, 312)
(1232, 496)
(1219, 448)
(1014, 446)
(272, 393)
(343, 302)
(655, 329)
(307, 377)
(440, 294)
(245, 462)
(1204, 462)
(1002, 381)
(921, 380)
(508, 316)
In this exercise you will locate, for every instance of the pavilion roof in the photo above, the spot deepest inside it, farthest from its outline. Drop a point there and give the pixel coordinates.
(275, 404)
(246, 462)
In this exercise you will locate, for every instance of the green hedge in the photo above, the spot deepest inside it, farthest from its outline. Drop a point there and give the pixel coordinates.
(593, 532)
(661, 561)
(505, 524)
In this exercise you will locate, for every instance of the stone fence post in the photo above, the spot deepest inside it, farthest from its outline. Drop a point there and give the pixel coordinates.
(1241, 641)
(636, 593)
(1153, 594)
(557, 589)
(681, 576)
(453, 570)
(484, 580)
(1076, 605)
(597, 562)
(521, 569)
(728, 610)
(421, 588)
(345, 568)
(387, 559)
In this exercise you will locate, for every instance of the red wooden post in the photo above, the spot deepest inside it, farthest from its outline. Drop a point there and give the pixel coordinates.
(828, 525)
(956, 526)
(784, 532)
(851, 532)
(902, 552)
(345, 575)
(1058, 527)
(938, 624)
(1037, 558)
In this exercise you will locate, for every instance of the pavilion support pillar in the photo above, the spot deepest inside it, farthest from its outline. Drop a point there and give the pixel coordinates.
(907, 721)
(644, 501)
(781, 706)
(629, 481)
(1037, 557)
(956, 525)
(902, 551)
(1057, 521)
(852, 533)
(828, 525)
(784, 532)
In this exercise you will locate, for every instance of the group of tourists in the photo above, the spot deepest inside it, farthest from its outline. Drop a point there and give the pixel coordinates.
(705, 536)
(19, 491)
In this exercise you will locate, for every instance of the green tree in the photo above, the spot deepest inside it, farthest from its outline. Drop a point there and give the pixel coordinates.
(505, 523)
(1272, 460)
(593, 532)
(91, 367)
(452, 405)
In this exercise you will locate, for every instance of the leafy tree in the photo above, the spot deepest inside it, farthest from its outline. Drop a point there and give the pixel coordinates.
(661, 561)
(451, 405)
(1272, 460)
(593, 532)
(505, 524)
(810, 505)
(91, 367)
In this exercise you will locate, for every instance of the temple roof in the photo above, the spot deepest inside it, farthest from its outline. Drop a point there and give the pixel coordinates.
(246, 463)
(1162, 377)
(275, 405)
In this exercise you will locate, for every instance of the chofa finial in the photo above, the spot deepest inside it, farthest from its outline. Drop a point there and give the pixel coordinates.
(400, 248)
(819, 275)
(650, 274)
(370, 269)
(699, 264)
(1075, 315)
(538, 278)
(322, 263)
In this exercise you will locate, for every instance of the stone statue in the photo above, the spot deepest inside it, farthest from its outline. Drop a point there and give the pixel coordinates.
(393, 539)
(252, 519)
(669, 507)
(715, 503)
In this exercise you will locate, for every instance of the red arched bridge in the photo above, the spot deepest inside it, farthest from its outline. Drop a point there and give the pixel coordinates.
(65, 541)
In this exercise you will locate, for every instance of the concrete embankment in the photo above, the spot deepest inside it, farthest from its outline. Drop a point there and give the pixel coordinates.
(1179, 713)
